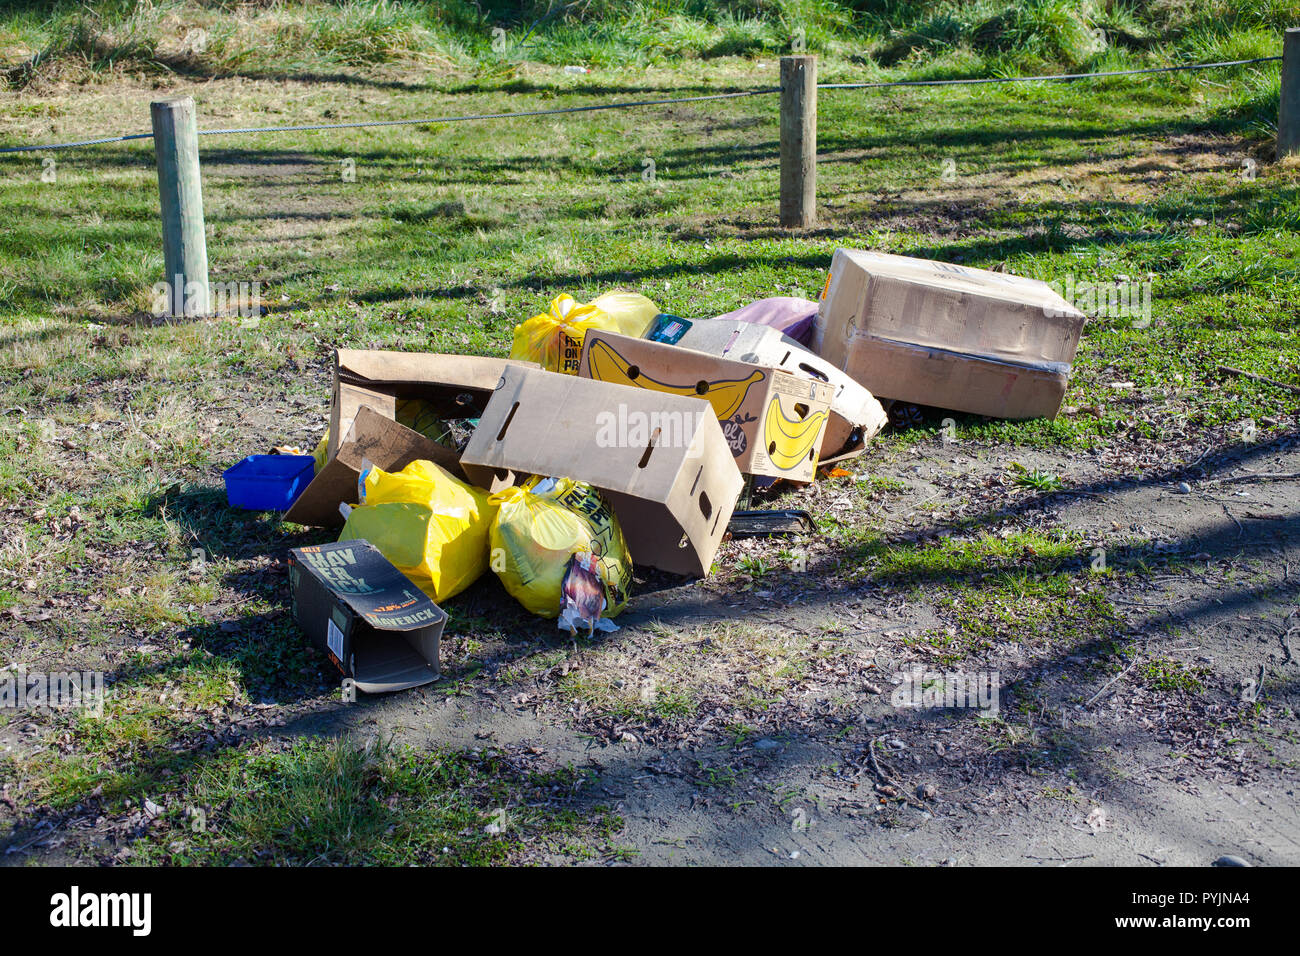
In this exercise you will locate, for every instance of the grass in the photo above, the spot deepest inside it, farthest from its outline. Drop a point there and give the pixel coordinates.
(676, 673)
(326, 802)
(492, 39)
(1025, 588)
(116, 427)
(1172, 676)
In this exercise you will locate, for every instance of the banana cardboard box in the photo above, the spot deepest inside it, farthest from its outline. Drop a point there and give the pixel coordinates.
(417, 389)
(773, 421)
(377, 627)
(856, 415)
(659, 459)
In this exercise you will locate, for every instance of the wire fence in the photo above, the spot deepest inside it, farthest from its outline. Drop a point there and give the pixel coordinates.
(632, 104)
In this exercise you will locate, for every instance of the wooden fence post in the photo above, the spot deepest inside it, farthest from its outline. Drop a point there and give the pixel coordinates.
(185, 247)
(1288, 108)
(798, 141)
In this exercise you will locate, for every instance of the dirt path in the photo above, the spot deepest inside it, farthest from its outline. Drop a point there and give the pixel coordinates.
(1135, 775)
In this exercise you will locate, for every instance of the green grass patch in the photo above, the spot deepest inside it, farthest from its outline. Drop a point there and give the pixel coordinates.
(317, 802)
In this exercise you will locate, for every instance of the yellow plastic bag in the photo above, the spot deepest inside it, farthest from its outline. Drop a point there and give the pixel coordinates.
(554, 339)
(322, 451)
(431, 525)
(558, 550)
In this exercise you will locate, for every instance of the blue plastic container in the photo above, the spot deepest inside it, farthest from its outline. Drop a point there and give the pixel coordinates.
(268, 482)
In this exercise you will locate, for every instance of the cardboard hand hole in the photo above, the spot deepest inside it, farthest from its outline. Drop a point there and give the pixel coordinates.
(645, 457)
(701, 388)
(634, 372)
(706, 506)
(815, 373)
(506, 424)
(801, 410)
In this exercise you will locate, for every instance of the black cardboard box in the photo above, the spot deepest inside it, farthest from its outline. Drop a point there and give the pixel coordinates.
(376, 626)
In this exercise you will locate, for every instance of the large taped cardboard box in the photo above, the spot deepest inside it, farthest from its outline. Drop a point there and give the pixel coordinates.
(374, 437)
(375, 625)
(944, 335)
(660, 459)
(773, 421)
(856, 417)
(453, 386)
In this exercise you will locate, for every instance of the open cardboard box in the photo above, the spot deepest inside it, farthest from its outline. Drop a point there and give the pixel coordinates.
(773, 421)
(454, 386)
(370, 436)
(376, 626)
(659, 459)
(856, 416)
(938, 334)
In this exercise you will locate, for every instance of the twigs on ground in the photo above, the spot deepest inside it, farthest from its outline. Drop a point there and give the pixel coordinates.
(1229, 370)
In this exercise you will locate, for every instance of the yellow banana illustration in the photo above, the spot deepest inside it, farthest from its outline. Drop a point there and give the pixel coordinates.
(607, 365)
(788, 442)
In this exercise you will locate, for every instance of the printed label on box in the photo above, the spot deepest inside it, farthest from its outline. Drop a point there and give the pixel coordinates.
(334, 637)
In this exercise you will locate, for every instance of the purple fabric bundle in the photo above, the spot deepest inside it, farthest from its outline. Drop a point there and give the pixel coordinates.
(792, 315)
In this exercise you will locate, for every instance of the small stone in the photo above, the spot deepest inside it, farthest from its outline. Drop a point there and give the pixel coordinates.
(1230, 861)
(767, 743)
(1184, 488)
(927, 791)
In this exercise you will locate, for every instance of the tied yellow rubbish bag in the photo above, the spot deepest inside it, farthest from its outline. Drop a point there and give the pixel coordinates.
(558, 550)
(554, 339)
(430, 525)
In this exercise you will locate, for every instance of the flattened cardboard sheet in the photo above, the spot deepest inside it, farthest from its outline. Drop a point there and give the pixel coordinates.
(375, 437)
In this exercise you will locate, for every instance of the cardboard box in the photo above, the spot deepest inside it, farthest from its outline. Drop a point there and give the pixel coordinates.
(376, 626)
(773, 421)
(660, 459)
(456, 386)
(856, 416)
(371, 436)
(944, 335)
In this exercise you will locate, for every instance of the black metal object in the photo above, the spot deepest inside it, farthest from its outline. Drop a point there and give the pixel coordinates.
(769, 523)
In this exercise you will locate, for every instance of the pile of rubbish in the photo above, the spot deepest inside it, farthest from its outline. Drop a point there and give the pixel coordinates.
(615, 434)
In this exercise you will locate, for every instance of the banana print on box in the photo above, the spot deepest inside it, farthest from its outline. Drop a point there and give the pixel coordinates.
(790, 441)
(725, 397)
